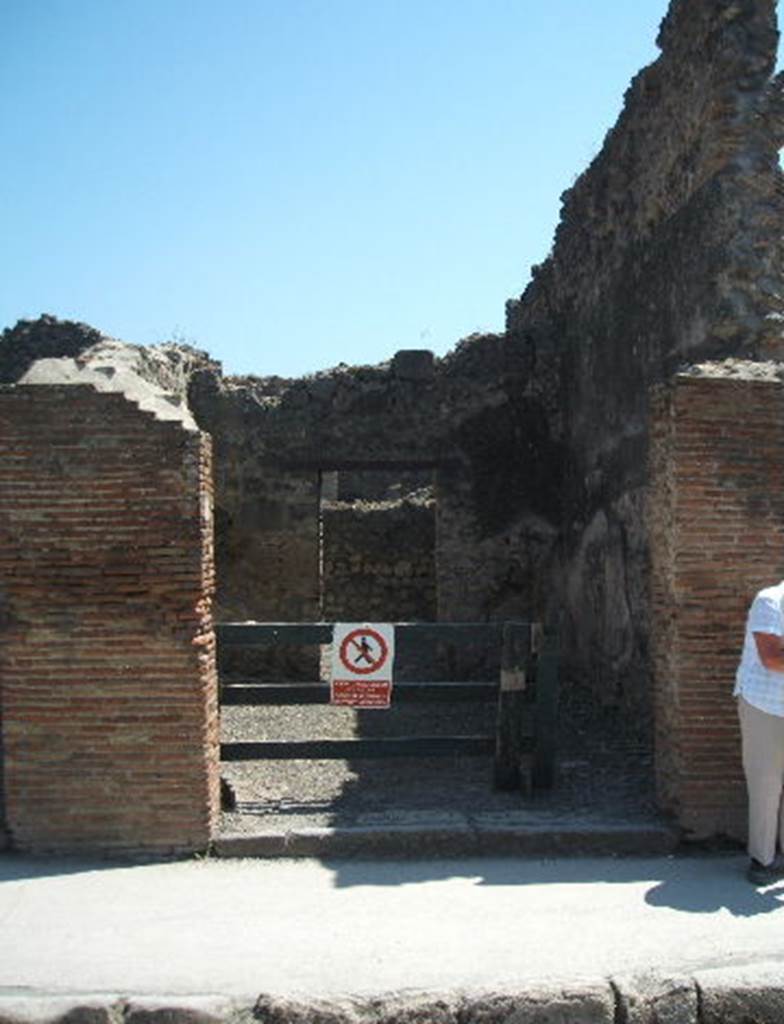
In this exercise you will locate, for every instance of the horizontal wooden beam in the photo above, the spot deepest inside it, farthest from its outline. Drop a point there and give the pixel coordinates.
(260, 694)
(323, 462)
(264, 634)
(413, 634)
(417, 634)
(349, 750)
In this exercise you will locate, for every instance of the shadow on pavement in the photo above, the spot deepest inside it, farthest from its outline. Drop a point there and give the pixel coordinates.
(692, 885)
(735, 895)
(16, 867)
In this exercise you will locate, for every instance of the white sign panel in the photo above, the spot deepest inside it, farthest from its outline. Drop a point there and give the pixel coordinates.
(363, 656)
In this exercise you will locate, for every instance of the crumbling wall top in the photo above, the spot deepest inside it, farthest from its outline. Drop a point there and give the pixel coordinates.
(52, 351)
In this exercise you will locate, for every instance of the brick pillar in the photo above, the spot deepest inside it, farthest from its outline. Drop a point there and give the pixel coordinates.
(716, 520)
(107, 657)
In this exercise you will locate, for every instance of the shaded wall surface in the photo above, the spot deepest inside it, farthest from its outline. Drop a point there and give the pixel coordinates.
(716, 511)
(378, 562)
(452, 420)
(107, 660)
(669, 250)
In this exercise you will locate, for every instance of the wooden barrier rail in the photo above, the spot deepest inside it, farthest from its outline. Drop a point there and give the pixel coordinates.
(524, 743)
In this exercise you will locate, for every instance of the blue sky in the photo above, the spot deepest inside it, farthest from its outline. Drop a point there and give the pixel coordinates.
(291, 184)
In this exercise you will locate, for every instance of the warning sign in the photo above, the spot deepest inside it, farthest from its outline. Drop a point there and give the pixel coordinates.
(362, 660)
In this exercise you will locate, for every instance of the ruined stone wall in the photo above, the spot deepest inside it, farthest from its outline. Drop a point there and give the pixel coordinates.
(389, 485)
(455, 420)
(266, 512)
(275, 443)
(268, 543)
(716, 514)
(498, 501)
(107, 657)
(669, 249)
(379, 562)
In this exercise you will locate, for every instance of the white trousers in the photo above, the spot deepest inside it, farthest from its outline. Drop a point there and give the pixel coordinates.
(762, 737)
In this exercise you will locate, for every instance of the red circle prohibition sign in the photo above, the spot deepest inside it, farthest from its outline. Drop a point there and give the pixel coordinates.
(356, 649)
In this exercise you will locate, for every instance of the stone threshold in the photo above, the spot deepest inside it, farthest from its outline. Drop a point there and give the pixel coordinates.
(465, 840)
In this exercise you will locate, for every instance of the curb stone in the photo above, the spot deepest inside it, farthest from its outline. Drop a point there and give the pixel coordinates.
(428, 1009)
(61, 1009)
(588, 1004)
(585, 1004)
(116, 1009)
(655, 999)
(179, 1010)
(750, 994)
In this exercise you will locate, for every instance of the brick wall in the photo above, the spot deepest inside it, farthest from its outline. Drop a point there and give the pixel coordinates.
(716, 521)
(107, 659)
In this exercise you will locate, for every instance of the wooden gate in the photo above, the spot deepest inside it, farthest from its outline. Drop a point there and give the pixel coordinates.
(526, 694)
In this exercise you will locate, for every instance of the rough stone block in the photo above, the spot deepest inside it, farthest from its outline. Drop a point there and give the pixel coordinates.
(588, 1004)
(752, 994)
(197, 1009)
(591, 1004)
(650, 999)
(281, 1010)
(413, 364)
(60, 1009)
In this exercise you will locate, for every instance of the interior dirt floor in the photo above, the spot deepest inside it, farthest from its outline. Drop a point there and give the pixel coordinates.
(602, 777)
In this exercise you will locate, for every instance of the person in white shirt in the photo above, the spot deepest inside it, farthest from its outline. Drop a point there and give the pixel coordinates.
(759, 687)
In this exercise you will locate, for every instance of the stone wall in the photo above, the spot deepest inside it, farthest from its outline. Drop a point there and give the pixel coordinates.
(379, 562)
(669, 250)
(389, 485)
(453, 421)
(107, 659)
(277, 444)
(267, 541)
(716, 515)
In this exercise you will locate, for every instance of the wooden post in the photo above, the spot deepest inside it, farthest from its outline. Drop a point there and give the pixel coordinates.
(510, 731)
(544, 761)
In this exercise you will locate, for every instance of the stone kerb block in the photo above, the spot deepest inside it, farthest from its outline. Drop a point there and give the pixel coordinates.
(113, 1008)
(59, 1009)
(591, 1003)
(752, 994)
(653, 999)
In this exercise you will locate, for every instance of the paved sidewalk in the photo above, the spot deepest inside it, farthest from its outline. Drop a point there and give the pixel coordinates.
(205, 939)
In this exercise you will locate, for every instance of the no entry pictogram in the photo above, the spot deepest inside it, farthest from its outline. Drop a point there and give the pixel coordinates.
(363, 651)
(362, 659)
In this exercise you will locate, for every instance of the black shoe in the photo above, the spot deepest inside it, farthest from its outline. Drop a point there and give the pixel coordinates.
(762, 874)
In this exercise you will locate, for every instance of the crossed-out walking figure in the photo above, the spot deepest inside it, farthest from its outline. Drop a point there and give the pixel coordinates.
(365, 651)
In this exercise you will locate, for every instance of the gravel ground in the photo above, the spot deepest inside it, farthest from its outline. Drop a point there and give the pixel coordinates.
(599, 777)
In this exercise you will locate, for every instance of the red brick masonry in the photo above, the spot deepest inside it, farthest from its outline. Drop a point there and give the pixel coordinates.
(107, 650)
(716, 518)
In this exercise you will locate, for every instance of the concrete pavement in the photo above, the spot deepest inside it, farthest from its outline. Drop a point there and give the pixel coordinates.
(209, 940)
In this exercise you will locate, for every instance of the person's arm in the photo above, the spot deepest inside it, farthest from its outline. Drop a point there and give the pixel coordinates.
(770, 649)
